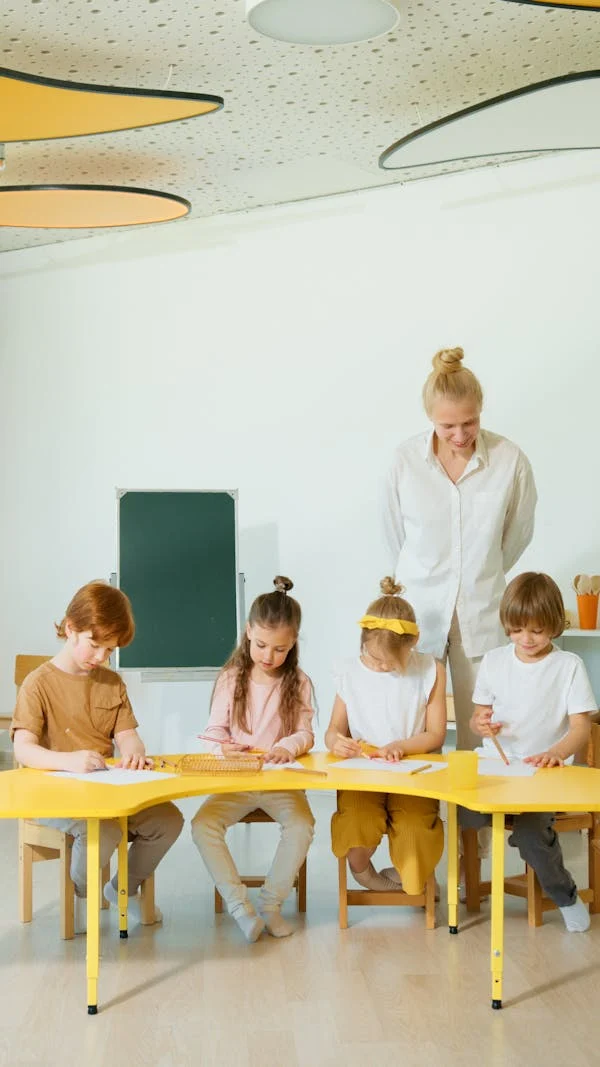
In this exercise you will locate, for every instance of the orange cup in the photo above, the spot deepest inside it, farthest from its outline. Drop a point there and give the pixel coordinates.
(587, 607)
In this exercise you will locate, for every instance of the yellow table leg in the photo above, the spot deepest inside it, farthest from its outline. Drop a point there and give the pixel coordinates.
(452, 869)
(93, 913)
(123, 878)
(497, 907)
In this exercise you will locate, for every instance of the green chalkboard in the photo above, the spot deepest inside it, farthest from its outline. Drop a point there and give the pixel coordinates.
(177, 564)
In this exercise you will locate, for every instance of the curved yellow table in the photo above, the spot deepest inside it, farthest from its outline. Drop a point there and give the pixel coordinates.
(33, 794)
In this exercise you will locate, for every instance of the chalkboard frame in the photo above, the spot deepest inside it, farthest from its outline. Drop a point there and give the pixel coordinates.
(170, 672)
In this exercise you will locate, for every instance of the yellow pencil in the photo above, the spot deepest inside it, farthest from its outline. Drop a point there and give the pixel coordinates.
(501, 751)
(423, 767)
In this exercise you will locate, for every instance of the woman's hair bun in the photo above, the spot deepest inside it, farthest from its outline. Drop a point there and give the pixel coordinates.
(390, 587)
(448, 360)
(283, 584)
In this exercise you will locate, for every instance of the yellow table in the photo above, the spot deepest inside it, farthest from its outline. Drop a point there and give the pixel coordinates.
(33, 794)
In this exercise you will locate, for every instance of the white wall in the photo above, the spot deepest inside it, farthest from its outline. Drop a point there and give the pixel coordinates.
(283, 352)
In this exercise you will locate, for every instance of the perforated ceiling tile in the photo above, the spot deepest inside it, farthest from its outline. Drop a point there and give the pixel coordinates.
(284, 104)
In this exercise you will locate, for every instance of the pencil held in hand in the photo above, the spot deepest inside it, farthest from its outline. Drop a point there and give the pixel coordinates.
(501, 751)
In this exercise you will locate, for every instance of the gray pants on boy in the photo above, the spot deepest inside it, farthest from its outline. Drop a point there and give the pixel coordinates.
(152, 832)
(537, 842)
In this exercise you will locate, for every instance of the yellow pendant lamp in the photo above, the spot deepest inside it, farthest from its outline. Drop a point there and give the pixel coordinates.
(84, 207)
(33, 108)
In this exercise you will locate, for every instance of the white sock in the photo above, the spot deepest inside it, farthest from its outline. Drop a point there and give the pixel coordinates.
(134, 909)
(576, 916)
(392, 874)
(276, 924)
(370, 879)
(251, 925)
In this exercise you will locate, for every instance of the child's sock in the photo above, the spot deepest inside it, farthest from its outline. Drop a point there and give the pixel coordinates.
(392, 874)
(134, 910)
(576, 916)
(251, 925)
(370, 879)
(276, 924)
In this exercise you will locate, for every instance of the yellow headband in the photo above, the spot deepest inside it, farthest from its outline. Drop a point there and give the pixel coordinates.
(397, 626)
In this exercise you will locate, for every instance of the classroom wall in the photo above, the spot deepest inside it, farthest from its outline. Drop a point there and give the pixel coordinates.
(282, 353)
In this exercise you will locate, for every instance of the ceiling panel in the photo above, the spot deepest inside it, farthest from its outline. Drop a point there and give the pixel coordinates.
(298, 121)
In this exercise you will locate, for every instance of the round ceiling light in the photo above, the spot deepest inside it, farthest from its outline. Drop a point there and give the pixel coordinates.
(323, 21)
(86, 207)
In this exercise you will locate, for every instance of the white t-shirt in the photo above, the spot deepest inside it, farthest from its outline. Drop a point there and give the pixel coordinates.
(532, 700)
(452, 544)
(386, 706)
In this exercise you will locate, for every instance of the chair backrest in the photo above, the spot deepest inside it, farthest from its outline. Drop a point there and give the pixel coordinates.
(24, 665)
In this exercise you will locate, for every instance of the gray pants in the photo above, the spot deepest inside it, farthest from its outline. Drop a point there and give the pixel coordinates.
(152, 832)
(538, 846)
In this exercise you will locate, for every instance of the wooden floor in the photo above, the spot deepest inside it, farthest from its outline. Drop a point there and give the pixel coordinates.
(384, 993)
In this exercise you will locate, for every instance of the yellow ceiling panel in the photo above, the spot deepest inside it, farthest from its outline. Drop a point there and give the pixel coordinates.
(86, 206)
(34, 108)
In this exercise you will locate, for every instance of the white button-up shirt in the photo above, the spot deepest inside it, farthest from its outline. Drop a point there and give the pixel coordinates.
(453, 543)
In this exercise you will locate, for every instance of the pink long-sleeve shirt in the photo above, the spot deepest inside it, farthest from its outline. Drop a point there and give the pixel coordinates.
(262, 716)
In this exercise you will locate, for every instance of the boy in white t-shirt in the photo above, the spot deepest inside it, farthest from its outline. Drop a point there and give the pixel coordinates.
(539, 700)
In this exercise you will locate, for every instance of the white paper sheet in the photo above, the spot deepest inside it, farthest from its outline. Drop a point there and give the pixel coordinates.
(114, 776)
(405, 766)
(516, 768)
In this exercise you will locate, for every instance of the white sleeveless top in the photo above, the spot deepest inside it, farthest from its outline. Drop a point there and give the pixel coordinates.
(386, 706)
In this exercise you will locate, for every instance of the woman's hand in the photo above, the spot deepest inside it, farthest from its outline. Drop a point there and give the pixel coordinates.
(481, 723)
(346, 747)
(136, 762)
(544, 759)
(392, 752)
(279, 754)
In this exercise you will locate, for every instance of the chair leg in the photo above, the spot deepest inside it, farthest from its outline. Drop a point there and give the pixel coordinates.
(343, 893)
(147, 908)
(430, 903)
(67, 891)
(594, 864)
(534, 899)
(25, 878)
(472, 869)
(218, 902)
(104, 878)
(301, 890)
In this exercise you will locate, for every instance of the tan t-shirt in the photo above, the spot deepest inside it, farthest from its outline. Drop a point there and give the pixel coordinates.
(69, 712)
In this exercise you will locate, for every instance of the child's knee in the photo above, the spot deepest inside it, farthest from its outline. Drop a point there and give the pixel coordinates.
(173, 822)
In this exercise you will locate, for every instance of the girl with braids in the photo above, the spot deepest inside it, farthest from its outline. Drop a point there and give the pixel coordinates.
(261, 700)
(394, 698)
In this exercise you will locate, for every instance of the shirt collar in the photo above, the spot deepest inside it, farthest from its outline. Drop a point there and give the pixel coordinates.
(480, 457)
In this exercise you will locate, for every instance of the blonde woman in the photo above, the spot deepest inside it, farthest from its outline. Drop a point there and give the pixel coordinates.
(459, 514)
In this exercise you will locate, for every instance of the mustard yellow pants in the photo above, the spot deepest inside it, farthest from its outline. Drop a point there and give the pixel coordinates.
(414, 828)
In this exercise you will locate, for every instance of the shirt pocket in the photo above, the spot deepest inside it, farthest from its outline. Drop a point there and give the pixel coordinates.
(489, 511)
(103, 713)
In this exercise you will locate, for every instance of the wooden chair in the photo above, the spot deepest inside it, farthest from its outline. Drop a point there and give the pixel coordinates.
(38, 843)
(376, 897)
(253, 881)
(527, 885)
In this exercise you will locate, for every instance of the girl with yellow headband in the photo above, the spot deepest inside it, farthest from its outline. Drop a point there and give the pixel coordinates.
(390, 702)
